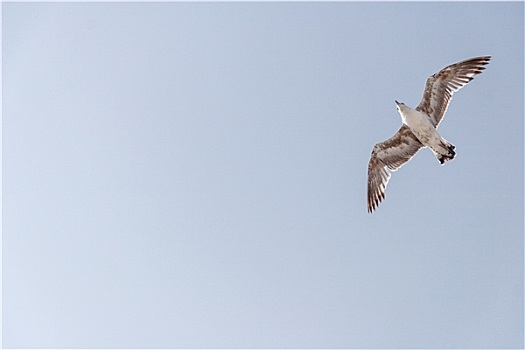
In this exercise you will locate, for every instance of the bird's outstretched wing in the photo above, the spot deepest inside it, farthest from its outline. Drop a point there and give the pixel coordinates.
(441, 86)
(392, 153)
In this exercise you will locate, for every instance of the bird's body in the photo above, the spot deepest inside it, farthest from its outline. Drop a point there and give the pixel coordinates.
(419, 128)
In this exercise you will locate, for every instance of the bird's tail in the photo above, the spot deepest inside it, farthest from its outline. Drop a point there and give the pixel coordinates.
(445, 151)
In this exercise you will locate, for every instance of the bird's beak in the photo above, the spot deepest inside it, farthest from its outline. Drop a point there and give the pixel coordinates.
(397, 103)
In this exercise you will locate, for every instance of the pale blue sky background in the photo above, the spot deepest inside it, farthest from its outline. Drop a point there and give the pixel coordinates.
(194, 175)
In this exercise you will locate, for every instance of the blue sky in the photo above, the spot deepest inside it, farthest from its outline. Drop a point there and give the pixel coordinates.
(193, 175)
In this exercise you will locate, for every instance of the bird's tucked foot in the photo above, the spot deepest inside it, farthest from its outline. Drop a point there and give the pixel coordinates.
(449, 155)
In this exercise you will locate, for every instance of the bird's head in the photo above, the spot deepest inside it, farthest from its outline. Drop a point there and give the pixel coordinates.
(399, 105)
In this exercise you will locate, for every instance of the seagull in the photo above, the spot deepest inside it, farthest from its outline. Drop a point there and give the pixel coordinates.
(419, 128)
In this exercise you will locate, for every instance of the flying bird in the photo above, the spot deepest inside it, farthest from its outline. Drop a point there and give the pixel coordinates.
(419, 128)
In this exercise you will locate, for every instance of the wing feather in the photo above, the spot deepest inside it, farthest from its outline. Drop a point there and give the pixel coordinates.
(392, 154)
(440, 86)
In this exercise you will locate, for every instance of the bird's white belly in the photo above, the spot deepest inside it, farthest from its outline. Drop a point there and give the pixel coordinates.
(420, 125)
